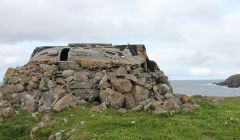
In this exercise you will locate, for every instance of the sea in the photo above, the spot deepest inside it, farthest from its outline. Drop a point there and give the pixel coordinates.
(202, 87)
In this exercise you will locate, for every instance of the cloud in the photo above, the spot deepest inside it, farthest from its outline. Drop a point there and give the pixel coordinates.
(185, 37)
(200, 71)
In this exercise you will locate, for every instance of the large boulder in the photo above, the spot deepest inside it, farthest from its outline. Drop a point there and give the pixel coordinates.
(112, 98)
(129, 101)
(66, 101)
(122, 85)
(29, 103)
(45, 102)
(140, 94)
(45, 84)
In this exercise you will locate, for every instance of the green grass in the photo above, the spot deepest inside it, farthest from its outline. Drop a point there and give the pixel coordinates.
(210, 121)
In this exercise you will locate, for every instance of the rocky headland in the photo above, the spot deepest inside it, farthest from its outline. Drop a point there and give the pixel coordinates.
(231, 82)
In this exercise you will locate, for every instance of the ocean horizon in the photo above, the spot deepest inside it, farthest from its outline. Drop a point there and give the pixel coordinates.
(203, 87)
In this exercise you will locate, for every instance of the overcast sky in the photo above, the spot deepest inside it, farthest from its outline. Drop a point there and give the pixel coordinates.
(189, 39)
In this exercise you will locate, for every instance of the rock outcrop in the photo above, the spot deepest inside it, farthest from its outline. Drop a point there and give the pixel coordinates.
(232, 81)
(118, 76)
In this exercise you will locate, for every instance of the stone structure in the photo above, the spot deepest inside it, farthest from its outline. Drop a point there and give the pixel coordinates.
(119, 76)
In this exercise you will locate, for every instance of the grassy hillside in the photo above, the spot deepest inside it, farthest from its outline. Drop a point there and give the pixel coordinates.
(210, 121)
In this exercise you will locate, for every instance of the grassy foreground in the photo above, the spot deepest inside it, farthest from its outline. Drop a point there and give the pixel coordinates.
(210, 121)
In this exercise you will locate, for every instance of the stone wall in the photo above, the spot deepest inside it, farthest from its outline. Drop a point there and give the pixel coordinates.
(53, 85)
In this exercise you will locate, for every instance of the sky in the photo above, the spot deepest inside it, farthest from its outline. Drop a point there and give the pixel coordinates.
(189, 39)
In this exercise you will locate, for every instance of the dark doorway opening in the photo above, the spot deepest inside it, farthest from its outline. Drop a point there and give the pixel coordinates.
(64, 54)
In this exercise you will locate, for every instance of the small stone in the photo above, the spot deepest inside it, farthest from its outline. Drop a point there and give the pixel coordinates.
(82, 85)
(4, 104)
(189, 107)
(82, 102)
(103, 84)
(129, 69)
(170, 105)
(137, 71)
(131, 78)
(44, 84)
(104, 72)
(58, 90)
(82, 122)
(81, 76)
(102, 106)
(121, 71)
(185, 99)
(51, 137)
(8, 112)
(67, 73)
(16, 98)
(29, 103)
(147, 106)
(34, 131)
(160, 111)
(48, 69)
(32, 85)
(7, 89)
(156, 105)
(155, 88)
(65, 120)
(96, 109)
(60, 80)
(141, 81)
(104, 79)
(97, 78)
(34, 79)
(45, 102)
(137, 108)
(163, 89)
(69, 79)
(122, 110)
(168, 96)
(34, 115)
(10, 72)
(58, 136)
(129, 102)
(66, 101)
(19, 88)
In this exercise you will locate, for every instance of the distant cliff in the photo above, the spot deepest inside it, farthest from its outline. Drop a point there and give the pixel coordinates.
(232, 81)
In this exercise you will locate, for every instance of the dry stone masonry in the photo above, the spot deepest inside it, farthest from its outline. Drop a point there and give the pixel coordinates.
(118, 76)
